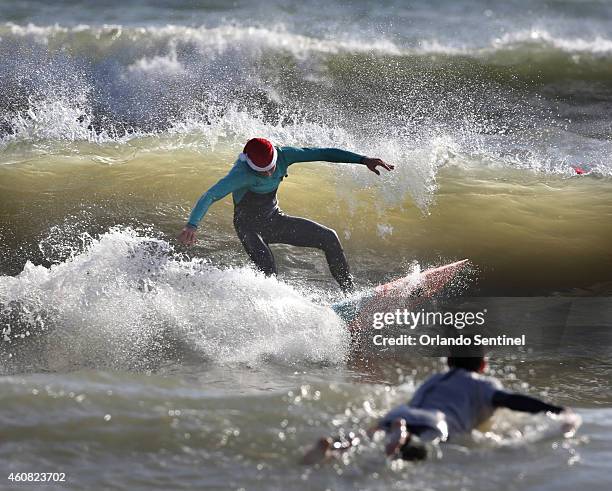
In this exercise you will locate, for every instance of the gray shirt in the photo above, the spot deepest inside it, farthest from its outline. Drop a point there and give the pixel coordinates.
(464, 397)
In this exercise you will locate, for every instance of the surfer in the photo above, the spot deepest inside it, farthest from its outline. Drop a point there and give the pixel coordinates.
(258, 220)
(444, 406)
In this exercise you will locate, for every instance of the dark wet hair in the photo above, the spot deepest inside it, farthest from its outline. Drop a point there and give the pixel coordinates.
(469, 358)
(472, 363)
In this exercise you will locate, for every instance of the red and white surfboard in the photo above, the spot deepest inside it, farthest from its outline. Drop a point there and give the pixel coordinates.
(405, 292)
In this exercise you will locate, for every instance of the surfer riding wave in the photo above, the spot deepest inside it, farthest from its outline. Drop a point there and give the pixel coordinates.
(258, 220)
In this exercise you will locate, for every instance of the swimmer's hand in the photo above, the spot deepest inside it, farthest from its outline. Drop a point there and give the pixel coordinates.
(371, 164)
(187, 236)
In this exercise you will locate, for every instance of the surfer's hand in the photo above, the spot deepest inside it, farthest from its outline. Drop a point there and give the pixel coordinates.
(373, 163)
(187, 236)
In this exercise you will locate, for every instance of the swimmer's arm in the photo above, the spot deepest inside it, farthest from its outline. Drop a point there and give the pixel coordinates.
(526, 404)
(294, 154)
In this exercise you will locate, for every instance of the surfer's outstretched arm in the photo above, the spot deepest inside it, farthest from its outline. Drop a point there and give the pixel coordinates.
(294, 154)
(523, 403)
(232, 182)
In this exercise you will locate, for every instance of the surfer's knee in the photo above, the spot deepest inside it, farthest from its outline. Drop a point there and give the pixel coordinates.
(329, 238)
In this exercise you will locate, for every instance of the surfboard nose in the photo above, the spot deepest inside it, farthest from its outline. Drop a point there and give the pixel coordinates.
(383, 297)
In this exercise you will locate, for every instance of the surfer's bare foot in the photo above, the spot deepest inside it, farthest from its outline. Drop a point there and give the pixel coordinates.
(322, 450)
(396, 437)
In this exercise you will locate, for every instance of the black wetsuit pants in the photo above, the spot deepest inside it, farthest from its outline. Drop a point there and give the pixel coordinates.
(257, 232)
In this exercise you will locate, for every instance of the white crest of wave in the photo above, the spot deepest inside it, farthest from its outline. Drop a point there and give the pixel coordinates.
(217, 39)
(596, 45)
(128, 301)
(526, 40)
(254, 40)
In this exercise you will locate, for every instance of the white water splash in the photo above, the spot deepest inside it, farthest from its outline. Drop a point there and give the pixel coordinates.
(127, 301)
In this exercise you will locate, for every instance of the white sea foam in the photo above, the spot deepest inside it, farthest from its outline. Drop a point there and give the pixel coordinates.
(52, 119)
(126, 301)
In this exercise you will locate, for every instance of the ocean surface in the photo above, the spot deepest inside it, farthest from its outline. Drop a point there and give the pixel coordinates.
(130, 362)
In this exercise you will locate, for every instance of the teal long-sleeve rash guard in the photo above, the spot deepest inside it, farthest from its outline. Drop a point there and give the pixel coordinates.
(241, 178)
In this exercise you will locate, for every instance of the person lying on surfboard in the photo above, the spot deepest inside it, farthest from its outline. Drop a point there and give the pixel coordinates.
(444, 406)
(258, 220)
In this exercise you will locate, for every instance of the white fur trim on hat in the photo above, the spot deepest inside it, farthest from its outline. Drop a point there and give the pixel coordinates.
(245, 158)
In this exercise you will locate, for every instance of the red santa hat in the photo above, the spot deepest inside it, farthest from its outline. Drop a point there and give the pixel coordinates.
(259, 154)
